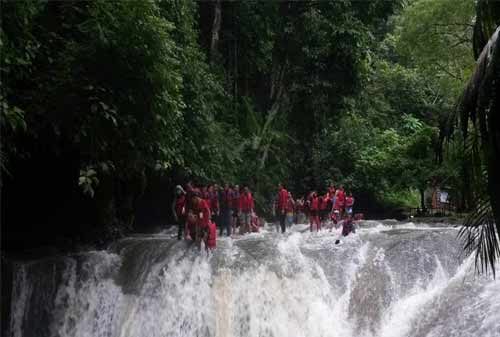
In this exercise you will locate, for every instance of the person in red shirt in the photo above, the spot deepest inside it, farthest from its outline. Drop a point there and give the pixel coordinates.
(323, 209)
(213, 201)
(210, 236)
(255, 223)
(179, 209)
(340, 200)
(235, 204)
(225, 208)
(246, 209)
(299, 210)
(199, 219)
(314, 211)
(348, 227)
(281, 201)
(190, 189)
(204, 192)
(331, 191)
(290, 210)
(349, 202)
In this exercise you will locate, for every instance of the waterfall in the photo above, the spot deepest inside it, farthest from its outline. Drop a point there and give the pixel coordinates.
(385, 280)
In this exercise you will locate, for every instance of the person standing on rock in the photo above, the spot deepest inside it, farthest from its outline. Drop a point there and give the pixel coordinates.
(225, 215)
(210, 236)
(349, 202)
(213, 202)
(340, 200)
(196, 227)
(281, 203)
(290, 210)
(235, 201)
(246, 208)
(314, 223)
(179, 209)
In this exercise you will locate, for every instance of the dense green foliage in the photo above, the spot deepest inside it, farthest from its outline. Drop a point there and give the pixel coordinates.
(125, 94)
(390, 134)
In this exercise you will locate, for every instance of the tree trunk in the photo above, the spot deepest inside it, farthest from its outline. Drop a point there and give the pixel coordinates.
(488, 19)
(214, 36)
(422, 199)
(493, 121)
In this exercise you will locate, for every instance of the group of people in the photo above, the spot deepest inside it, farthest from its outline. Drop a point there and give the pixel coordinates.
(199, 210)
(334, 206)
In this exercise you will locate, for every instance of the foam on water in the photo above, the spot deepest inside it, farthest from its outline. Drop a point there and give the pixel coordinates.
(384, 281)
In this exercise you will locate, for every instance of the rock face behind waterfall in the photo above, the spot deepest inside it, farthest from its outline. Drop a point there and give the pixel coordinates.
(386, 280)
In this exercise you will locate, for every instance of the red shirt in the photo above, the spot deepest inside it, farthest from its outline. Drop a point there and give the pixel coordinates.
(214, 200)
(202, 209)
(340, 197)
(246, 202)
(225, 199)
(290, 205)
(233, 198)
(180, 201)
(314, 204)
(331, 192)
(323, 203)
(349, 201)
(282, 198)
(212, 236)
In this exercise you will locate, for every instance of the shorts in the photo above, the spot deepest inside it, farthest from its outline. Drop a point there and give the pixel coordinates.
(235, 212)
(246, 218)
(348, 209)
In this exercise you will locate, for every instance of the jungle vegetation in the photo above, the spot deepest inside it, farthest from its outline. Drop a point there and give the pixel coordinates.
(108, 105)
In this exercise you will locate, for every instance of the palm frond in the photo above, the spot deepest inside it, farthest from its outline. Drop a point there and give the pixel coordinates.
(480, 231)
(480, 237)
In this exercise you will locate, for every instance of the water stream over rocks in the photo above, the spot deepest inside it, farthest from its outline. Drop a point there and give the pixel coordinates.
(388, 280)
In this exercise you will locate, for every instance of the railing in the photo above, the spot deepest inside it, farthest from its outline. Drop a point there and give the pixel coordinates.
(442, 211)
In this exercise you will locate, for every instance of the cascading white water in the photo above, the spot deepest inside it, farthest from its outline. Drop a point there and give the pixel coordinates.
(386, 281)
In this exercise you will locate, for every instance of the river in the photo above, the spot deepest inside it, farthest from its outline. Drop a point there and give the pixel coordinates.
(387, 280)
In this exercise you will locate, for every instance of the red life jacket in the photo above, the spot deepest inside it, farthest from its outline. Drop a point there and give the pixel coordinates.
(340, 197)
(282, 199)
(323, 202)
(246, 202)
(204, 217)
(214, 200)
(234, 198)
(180, 202)
(212, 235)
(314, 204)
(289, 206)
(225, 199)
(228, 195)
(331, 192)
(349, 201)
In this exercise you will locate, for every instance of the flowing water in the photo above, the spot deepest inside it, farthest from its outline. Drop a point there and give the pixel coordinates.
(385, 280)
